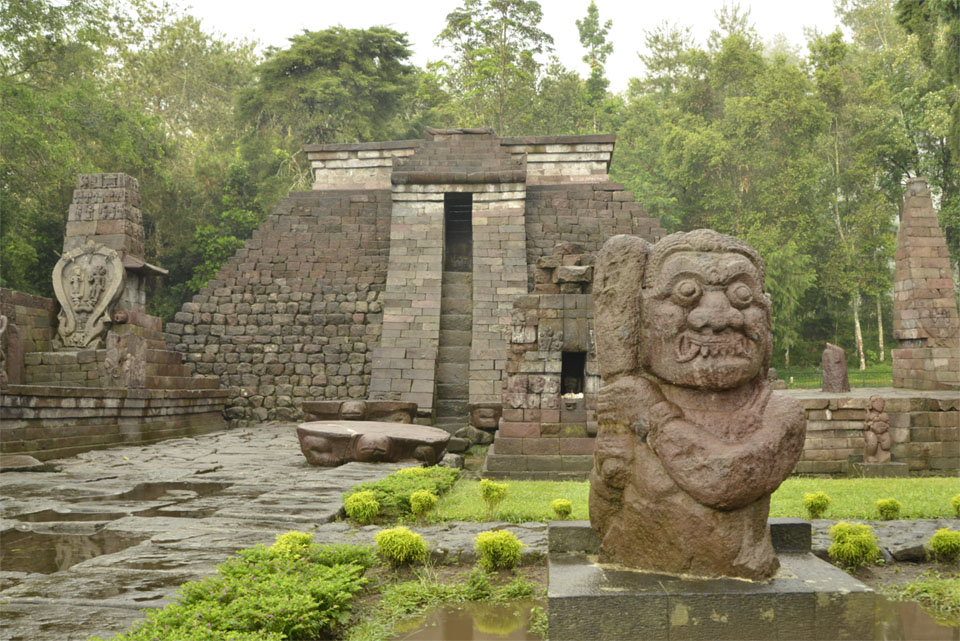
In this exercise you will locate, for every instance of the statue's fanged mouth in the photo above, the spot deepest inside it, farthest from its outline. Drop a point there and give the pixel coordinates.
(692, 345)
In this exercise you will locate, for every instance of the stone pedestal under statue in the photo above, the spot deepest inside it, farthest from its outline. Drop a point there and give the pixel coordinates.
(807, 598)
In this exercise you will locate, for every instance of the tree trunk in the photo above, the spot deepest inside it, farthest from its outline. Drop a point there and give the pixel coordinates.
(856, 330)
(880, 327)
(786, 357)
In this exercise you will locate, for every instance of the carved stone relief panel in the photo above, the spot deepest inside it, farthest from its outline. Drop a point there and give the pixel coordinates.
(87, 281)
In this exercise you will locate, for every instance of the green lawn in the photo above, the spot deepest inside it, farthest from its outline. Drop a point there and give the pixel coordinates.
(808, 377)
(850, 499)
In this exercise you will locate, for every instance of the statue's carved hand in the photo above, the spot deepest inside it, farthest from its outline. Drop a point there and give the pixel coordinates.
(634, 404)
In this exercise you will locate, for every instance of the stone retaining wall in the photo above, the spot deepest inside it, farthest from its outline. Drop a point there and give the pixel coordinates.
(54, 422)
(925, 431)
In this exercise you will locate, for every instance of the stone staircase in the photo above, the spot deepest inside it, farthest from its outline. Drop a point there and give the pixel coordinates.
(453, 358)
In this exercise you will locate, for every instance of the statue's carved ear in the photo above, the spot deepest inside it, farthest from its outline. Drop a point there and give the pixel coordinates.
(616, 304)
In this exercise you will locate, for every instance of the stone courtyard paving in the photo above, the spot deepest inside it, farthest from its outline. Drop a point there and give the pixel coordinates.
(129, 525)
(108, 533)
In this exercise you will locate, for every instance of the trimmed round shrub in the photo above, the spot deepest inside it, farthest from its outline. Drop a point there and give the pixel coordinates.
(498, 549)
(816, 504)
(422, 502)
(492, 492)
(362, 507)
(854, 545)
(955, 504)
(562, 508)
(889, 509)
(399, 546)
(294, 544)
(945, 545)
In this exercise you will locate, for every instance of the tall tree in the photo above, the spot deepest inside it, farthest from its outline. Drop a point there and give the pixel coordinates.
(593, 37)
(493, 69)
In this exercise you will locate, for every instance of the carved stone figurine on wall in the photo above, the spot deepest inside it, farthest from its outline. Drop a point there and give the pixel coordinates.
(691, 440)
(876, 433)
(87, 281)
(833, 364)
(3, 354)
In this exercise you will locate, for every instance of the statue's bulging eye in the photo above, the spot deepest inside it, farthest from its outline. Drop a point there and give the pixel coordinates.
(686, 292)
(740, 294)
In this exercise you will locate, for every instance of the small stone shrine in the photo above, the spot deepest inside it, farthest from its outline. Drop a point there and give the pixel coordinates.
(833, 367)
(91, 369)
(925, 318)
(691, 440)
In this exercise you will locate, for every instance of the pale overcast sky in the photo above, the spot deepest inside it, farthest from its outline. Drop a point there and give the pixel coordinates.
(273, 21)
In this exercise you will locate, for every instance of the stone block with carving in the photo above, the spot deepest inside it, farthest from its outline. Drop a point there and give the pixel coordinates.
(691, 439)
(356, 410)
(87, 281)
(876, 432)
(833, 364)
(485, 416)
(333, 443)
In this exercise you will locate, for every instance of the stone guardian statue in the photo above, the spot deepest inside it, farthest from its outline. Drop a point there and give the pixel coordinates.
(691, 441)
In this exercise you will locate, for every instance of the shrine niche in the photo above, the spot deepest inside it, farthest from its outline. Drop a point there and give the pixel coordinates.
(87, 282)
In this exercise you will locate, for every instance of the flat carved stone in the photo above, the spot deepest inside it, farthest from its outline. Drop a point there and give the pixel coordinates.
(691, 439)
(87, 281)
(833, 363)
(333, 443)
(356, 410)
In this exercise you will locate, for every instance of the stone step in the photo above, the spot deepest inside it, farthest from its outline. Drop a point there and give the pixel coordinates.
(455, 306)
(452, 408)
(455, 278)
(163, 356)
(455, 338)
(452, 373)
(459, 322)
(453, 390)
(453, 353)
(458, 291)
(168, 369)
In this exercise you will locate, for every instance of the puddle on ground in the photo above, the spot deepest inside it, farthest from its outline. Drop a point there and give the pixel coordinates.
(896, 621)
(473, 622)
(907, 621)
(47, 553)
(172, 490)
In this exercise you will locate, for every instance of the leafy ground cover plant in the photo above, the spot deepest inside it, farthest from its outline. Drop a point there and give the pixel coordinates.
(422, 502)
(498, 549)
(401, 546)
(945, 545)
(493, 494)
(393, 492)
(889, 509)
(362, 507)
(562, 508)
(293, 589)
(816, 504)
(853, 545)
(938, 593)
(955, 504)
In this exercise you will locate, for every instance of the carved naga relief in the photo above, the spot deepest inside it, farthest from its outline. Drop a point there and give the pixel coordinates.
(87, 281)
(691, 440)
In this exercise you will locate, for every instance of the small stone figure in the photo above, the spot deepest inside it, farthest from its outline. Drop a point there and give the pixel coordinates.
(485, 416)
(833, 363)
(876, 433)
(691, 440)
(357, 410)
(3, 355)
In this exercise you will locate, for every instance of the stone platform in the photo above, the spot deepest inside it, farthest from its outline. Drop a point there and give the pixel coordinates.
(807, 599)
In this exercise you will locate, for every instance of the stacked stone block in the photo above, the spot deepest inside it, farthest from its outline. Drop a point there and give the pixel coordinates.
(925, 430)
(295, 314)
(925, 319)
(106, 210)
(356, 166)
(542, 433)
(583, 214)
(564, 159)
(31, 320)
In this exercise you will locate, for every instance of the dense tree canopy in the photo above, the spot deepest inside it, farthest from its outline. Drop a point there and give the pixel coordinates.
(803, 153)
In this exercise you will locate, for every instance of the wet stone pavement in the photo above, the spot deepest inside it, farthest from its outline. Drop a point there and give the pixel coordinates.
(86, 547)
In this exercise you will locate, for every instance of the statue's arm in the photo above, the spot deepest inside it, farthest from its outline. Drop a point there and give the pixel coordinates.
(729, 475)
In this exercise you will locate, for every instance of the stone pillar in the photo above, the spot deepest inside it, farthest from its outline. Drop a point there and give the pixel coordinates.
(925, 320)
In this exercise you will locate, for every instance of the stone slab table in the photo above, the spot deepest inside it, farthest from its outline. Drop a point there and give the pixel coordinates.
(333, 443)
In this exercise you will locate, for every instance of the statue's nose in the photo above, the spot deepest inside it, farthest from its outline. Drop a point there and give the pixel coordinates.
(714, 312)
